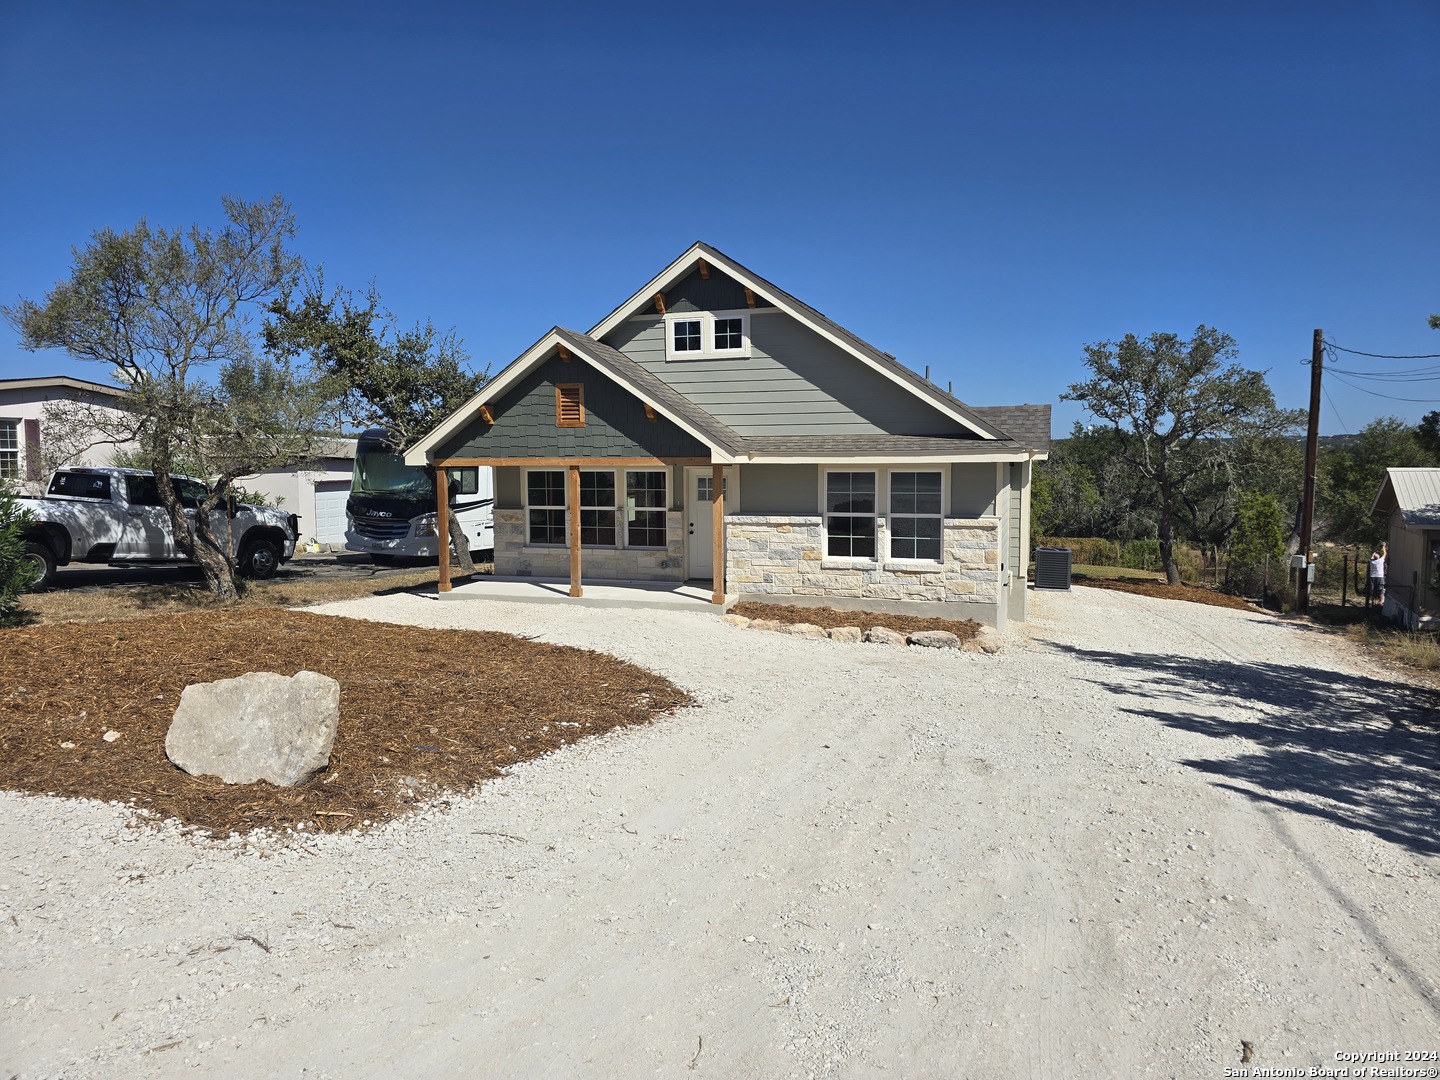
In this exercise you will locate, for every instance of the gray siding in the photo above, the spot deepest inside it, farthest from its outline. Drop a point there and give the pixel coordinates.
(972, 489)
(615, 423)
(779, 489)
(795, 382)
(695, 293)
(507, 488)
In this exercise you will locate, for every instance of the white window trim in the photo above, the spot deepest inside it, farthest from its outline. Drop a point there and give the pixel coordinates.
(883, 558)
(13, 453)
(706, 319)
(621, 508)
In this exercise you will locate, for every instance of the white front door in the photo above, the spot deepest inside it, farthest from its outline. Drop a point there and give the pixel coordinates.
(700, 520)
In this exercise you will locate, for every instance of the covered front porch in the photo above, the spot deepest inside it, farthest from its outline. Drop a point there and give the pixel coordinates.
(676, 595)
(559, 506)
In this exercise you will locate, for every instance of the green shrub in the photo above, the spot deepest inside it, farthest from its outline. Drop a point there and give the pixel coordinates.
(16, 572)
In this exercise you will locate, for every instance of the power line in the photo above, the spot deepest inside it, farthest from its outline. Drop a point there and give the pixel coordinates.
(1382, 356)
(1387, 397)
(1344, 427)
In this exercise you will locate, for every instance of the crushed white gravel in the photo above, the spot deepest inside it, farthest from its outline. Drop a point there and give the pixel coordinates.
(1142, 834)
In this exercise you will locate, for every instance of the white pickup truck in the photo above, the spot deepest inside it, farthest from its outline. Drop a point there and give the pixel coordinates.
(114, 516)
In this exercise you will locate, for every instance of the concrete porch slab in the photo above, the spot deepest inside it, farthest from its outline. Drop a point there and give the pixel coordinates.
(694, 596)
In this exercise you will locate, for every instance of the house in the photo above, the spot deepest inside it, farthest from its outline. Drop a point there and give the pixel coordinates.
(27, 456)
(30, 448)
(715, 428)
(316, 494)
(1410, 499)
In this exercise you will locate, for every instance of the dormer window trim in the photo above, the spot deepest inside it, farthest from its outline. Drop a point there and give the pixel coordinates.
(707, 335)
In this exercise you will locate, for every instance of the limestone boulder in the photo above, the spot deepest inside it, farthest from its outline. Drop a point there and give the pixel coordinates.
(260, 726)
(990, 639)
(883, 635)
(735, 620)
(935, 639)
(848, 634)
(805, 629)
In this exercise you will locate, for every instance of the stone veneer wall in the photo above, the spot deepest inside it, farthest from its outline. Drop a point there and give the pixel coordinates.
(782, 556)
(515, 558)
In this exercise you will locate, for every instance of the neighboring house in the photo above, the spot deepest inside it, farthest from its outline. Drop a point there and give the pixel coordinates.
(27, 453)
(316, 495)
(1410, 498)
(26, 449)
(714, 427)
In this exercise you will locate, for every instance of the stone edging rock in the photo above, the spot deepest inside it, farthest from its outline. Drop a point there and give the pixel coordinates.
(987, 641)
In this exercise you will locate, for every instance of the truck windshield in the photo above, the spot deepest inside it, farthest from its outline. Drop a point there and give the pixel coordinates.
(378, 473)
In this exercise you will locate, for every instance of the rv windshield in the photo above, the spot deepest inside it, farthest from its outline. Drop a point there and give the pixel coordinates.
(379, 473)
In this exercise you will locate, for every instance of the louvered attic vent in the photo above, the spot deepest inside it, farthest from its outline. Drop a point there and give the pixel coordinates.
(569, 405)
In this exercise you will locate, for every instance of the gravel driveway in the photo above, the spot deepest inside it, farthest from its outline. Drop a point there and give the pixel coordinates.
(1143, 835)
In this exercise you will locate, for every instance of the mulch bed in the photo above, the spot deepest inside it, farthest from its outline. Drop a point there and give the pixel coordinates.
(422, 712)
(1195, 594)
(829, 618)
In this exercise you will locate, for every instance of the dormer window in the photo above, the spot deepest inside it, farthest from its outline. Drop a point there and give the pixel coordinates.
(706, 335)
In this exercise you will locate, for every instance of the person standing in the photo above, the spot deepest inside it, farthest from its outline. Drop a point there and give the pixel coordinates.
(1376, 579)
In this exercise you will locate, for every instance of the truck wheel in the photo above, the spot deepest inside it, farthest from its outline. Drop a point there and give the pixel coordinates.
(259, 559)
(43, 560)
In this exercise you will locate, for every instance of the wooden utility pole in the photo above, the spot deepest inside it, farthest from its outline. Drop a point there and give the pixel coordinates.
(1312, 445)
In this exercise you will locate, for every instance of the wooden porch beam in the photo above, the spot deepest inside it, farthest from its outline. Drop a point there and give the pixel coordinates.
(717, 542)
(749, 298)
(442, 525)
(574, 503)
(660, 302)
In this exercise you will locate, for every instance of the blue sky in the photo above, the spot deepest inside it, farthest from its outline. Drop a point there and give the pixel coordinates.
(982, 188)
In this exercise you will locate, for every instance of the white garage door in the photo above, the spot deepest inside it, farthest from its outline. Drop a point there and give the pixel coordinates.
(330, 496)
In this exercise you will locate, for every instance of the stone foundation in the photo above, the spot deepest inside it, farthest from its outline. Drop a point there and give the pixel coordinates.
(515, 558)
(780, 559)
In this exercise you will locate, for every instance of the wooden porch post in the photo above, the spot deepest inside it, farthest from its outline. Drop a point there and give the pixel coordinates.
(574, 502)
(717, 521)
(442, 524)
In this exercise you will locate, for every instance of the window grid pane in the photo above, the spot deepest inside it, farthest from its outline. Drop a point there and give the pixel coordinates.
(597, 489)
(597, 528)
(915, 516)
(646, 488)
(687, 335)
(546, 498)
(851, 537)
(728, 334)
(9, 435)
(850, 493)
(647, 530)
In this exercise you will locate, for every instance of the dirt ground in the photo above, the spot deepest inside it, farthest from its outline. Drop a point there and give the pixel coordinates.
(828, 617)
(1144, 839)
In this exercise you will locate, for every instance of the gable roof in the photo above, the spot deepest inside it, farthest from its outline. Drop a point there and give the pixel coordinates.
(1415, 493)
(866, 353)
(723, 442)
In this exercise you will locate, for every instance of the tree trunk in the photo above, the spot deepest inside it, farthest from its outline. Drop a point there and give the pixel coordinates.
(198, 543)
(1167, 545)
(465, 564)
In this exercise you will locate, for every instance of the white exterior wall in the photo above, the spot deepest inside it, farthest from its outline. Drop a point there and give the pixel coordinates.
(296, 490)
(28, 403)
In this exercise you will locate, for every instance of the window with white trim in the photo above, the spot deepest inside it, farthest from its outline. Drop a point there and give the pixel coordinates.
(645, 504)
(9, 449)
(545, 506)
(850, 515)
(915, 519)
(597, 509)
(707, 335)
